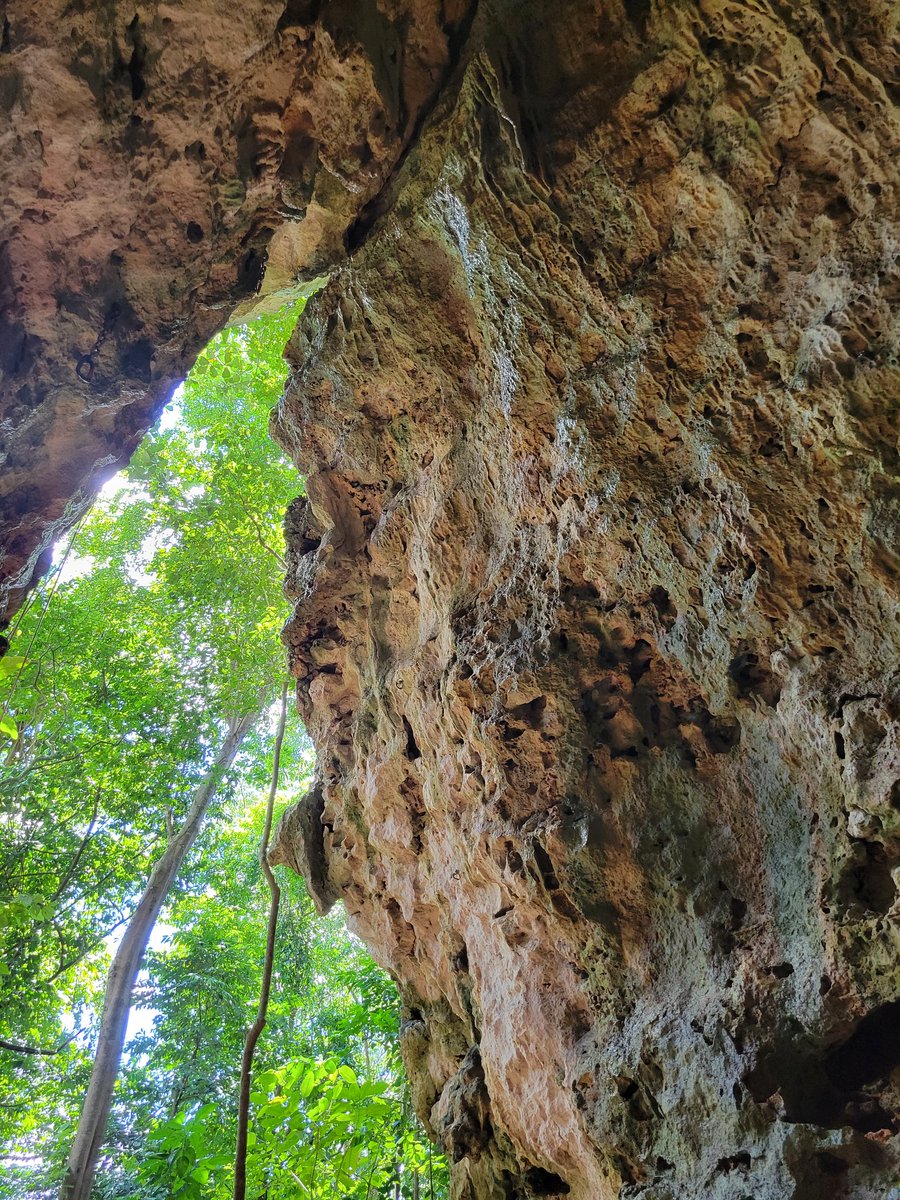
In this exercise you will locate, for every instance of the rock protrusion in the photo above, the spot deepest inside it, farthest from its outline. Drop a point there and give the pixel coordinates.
(298, 843)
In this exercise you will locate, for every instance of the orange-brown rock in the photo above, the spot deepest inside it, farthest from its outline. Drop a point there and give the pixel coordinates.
(155, 161)
(596, 583)
(596, 609)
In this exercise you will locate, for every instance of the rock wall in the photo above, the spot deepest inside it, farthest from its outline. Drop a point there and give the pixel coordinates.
(162, 168)
(596, 612)
(596, 618)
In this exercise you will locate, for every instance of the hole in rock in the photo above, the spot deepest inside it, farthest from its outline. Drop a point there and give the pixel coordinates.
(637, 12)
(839, 210)
(871, 1052)
(250, 271)
(300, 12)
(138, 59)
(530, 714)
(539, 1182)
(722, 734)
(781, 970)
(460, 960)
(412, 749)
(866, 879)
(831, 1164)
(662, 602)
(641, 659)
(825, 1086)
(545, 866)
(751, 677)
(738, 912)
(733, 1162)
(137, 361)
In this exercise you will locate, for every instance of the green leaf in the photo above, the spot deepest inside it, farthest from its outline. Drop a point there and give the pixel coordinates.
(125, 697)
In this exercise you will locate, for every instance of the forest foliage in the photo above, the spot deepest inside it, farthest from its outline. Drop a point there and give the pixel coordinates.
(158, 626)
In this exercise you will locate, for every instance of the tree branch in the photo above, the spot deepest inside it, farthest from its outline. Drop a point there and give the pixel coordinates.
(259, 534)
(73, 866)
(73, 962)
(18, 1048)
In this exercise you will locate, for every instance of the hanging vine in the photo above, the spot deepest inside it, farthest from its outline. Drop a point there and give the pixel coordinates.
(253, 1033)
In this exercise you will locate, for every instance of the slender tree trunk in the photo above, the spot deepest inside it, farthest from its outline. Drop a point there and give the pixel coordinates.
(123, 974)
(240, 1161)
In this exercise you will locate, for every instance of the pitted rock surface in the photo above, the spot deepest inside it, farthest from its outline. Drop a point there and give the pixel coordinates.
(596, 611)
(595, 585)
(164, 167)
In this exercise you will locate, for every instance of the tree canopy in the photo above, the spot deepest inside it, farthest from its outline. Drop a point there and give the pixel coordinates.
(157, 629)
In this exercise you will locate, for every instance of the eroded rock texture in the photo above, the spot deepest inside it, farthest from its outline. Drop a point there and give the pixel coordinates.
(155, 160)
(596, 620)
